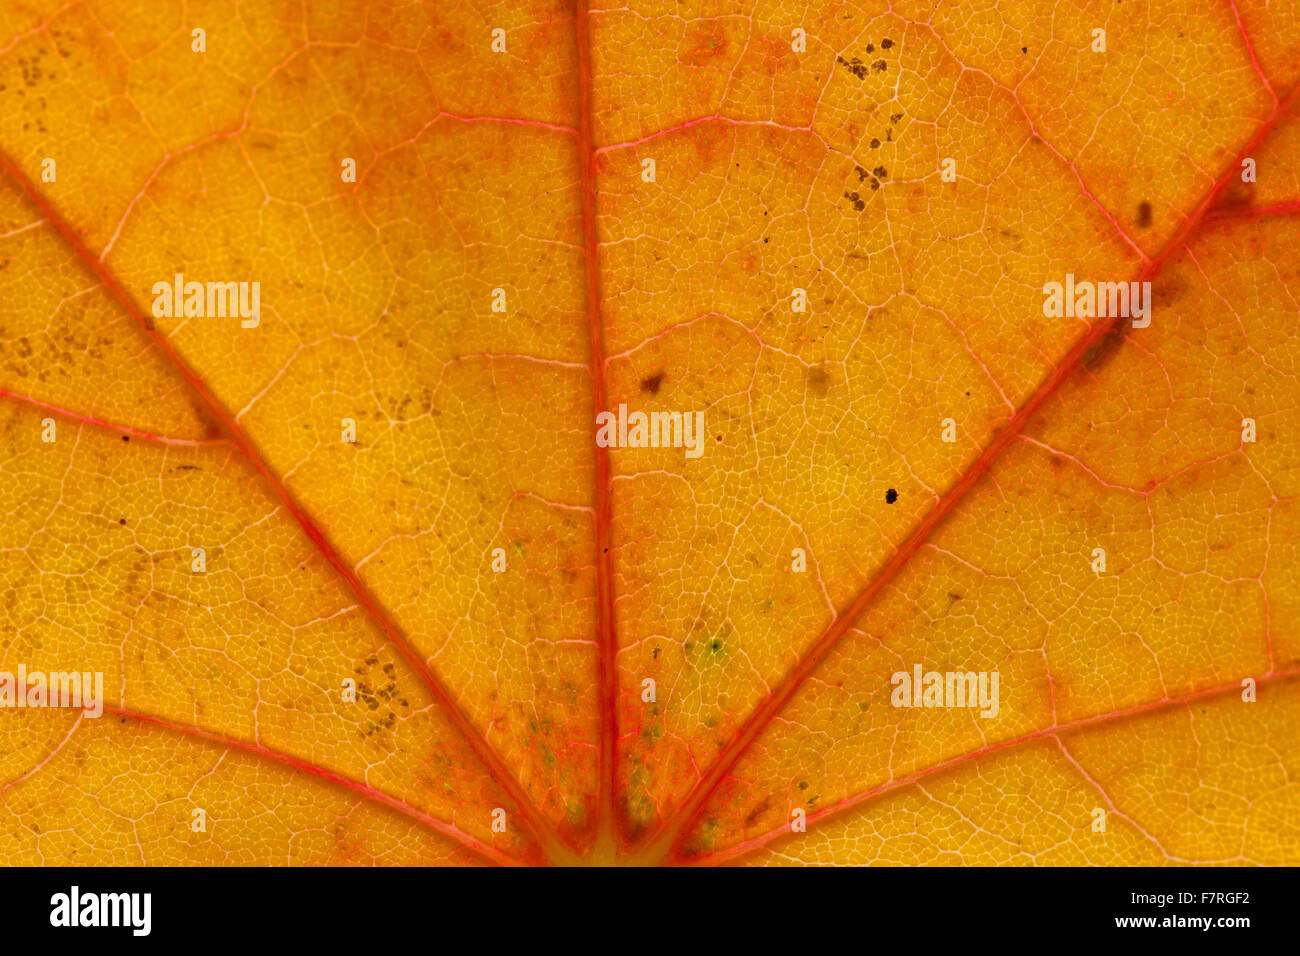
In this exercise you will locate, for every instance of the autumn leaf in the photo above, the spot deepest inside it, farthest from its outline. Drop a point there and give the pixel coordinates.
(524, 433)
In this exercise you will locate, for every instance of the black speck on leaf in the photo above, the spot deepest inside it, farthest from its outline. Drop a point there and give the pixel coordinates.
(891, 496)
(651, 385)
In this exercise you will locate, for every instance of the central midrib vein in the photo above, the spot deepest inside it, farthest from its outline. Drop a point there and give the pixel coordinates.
(606, 639)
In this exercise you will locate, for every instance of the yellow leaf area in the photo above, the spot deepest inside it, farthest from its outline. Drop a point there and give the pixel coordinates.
(361, 583)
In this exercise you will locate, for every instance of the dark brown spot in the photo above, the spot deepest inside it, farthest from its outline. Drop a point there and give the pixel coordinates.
(1235, 196)
(1166, 292)
(1144, 214)
(854, 66)
(1101, 352)
(651, 385)
(891, 496)
(758, 811)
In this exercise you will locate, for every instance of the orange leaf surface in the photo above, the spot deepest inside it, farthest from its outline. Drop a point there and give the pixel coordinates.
(365, 581)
